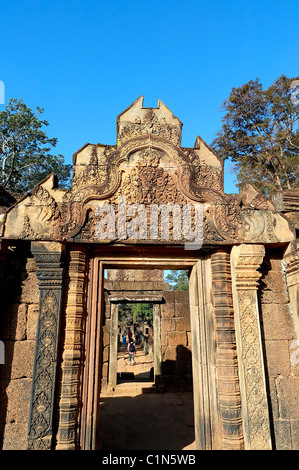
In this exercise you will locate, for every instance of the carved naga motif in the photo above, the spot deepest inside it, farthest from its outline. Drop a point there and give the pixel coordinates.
(39, 223)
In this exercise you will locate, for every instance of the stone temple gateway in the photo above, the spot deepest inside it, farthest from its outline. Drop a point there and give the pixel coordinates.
(243, 290)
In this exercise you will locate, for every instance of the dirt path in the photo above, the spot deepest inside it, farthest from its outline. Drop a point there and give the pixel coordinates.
(143, 363)
(135, 417)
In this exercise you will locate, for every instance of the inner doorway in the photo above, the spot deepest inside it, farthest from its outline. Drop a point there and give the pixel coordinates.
(135, 333)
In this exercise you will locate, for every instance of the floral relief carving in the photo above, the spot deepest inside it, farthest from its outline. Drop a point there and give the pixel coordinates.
(257, 409)
(149, 183)
(247, 261)
(41, 413)
(150, 124)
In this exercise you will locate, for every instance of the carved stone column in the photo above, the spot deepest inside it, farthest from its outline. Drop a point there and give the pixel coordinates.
(226, 353)
(291, 259)
(72, 350)
(246, 260)
(48, 256)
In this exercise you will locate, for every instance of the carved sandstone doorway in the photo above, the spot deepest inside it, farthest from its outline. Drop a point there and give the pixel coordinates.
(149, 167)
(217, 411)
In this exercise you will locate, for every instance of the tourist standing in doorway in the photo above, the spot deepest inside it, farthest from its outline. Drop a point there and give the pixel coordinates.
(131, 351)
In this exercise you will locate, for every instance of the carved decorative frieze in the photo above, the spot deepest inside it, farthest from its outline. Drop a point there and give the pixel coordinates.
(202, 175)
(95, 172)
(148, 182)
(151, 172)
(150, 124)
(259, 226)
(48, 256)
(246, 261)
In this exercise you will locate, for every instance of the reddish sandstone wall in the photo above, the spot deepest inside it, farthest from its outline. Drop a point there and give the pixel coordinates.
(176, 341)
(18, 320)
(282, 372)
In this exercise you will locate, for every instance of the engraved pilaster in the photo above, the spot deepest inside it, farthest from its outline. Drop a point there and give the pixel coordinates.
(246, 260)
(48, 256)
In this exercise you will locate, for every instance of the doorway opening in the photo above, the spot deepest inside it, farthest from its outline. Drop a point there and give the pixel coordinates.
(151, 400)
(135, 332)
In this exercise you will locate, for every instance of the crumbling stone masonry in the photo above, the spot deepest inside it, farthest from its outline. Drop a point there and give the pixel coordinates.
(133, 206)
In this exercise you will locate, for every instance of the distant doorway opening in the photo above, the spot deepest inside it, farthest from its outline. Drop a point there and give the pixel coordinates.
(135, 331)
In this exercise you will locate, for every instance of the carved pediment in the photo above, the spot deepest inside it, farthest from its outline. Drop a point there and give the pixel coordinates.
(147, 167)
(137, 121)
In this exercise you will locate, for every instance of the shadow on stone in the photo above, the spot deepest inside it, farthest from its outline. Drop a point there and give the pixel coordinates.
(147, 422)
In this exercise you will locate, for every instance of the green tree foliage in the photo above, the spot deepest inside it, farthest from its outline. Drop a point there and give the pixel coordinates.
(129, 312)
(145, 310)
(124, 312)
(260, 134)
(25, 158)
(178, 280)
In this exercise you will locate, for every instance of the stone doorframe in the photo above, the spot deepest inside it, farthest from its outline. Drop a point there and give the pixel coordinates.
(113, 346)
(217, 403)
(224, 400)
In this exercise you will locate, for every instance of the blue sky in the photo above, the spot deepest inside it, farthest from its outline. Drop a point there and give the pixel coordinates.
(86, 61)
